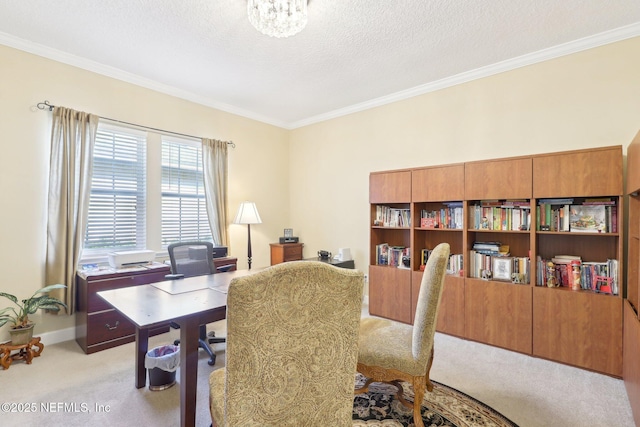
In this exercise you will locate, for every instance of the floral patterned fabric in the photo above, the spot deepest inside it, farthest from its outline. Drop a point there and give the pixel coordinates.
(292, 345)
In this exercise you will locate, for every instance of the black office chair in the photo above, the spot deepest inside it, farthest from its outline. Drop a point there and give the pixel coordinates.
(194, 259)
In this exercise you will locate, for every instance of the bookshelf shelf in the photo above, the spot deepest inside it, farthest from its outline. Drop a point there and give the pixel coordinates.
(515, 316)
(570, 233)
(479, 230)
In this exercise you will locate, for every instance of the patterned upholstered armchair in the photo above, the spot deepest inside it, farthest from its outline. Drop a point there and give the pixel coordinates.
(407, 352)
(292, 346)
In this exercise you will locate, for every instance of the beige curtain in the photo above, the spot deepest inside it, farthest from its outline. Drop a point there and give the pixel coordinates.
(73, 136)
(214, 158)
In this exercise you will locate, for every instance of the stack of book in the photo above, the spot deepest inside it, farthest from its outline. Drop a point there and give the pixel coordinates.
(507, 215)
(454, 265)
(391, 255)
(447, 217)
(570, 271)
(595, 215)
(392, 217)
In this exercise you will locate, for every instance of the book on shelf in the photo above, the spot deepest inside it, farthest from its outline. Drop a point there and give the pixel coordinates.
(382, 254)
(491, 248)
(503, 215)
(553, 214)
(455, 264)
(392, 255)
(429, 222)
(599, 201)
(424, 257)
(448, 217)
(397, 255)
(387, 216)
(601, 277)
(570, 271)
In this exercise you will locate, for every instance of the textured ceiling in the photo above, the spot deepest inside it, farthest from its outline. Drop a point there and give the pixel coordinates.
(352, 55)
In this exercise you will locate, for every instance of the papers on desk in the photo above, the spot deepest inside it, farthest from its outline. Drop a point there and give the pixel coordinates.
(180, 286)
(220, 288)
(223, 285)
(104, 269)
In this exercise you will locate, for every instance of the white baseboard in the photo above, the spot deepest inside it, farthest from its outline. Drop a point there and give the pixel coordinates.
(58, 336)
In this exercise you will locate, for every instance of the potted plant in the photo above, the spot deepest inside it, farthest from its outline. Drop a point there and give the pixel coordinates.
(22, 328)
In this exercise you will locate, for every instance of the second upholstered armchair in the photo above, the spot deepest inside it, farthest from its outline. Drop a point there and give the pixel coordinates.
(390, 351)
(292, 345)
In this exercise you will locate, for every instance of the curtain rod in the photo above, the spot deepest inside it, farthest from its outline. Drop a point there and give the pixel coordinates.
(45, 105)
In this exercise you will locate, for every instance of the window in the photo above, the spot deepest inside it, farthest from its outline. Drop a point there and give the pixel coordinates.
(184, 212)
(118, 192)
(147, 191)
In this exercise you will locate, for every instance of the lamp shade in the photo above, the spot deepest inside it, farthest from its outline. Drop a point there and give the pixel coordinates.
(247, 214)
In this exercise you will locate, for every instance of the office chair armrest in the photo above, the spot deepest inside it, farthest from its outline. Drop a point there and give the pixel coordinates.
(174, 276)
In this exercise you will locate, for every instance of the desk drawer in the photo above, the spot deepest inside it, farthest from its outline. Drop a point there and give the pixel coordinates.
(95, 303)
(107, 325)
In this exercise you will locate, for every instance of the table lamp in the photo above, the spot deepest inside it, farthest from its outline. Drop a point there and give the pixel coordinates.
(248, 214)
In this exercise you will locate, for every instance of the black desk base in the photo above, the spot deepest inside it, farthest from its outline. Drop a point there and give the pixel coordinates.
(343, 264)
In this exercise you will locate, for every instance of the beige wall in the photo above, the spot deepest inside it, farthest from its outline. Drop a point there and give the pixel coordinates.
(588, 99)
(313, 179)
(258, 166)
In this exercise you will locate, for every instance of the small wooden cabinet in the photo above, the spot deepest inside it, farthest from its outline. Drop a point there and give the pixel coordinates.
(284, 252)
(98, 325)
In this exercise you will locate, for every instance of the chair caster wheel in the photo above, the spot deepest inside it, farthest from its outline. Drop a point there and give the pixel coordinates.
(211, 362)
(176, 342)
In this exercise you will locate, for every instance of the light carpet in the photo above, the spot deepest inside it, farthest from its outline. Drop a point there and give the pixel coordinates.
(529, 391)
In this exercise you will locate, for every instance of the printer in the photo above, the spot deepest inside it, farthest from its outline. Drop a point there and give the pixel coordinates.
(130, 258)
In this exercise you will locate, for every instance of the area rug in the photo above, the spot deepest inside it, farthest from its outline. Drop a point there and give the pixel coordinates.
(445, 406)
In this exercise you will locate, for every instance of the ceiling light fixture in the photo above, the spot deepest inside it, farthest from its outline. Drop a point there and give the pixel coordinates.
(278, 18)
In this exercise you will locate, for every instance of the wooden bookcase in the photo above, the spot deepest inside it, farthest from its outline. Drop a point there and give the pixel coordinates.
(631, 315)
(498, 313)
(389, 287)
(431, 189)
(577, 327)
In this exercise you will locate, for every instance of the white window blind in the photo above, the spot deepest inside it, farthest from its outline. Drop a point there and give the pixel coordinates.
(184, 212)
(117, 205)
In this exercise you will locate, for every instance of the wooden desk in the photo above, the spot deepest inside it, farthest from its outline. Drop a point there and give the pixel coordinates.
(342, 264)
(190, 302)
(99, 326)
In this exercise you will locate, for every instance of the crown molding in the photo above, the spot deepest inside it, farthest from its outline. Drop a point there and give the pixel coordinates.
(579, 45)
(575, 46)
(116, 73)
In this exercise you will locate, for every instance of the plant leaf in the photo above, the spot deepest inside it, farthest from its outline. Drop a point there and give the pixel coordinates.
(32, 305)
(9, 296)
(47, 289)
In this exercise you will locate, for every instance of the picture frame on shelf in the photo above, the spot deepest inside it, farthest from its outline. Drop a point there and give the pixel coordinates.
(288, 232)
(502, 267)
